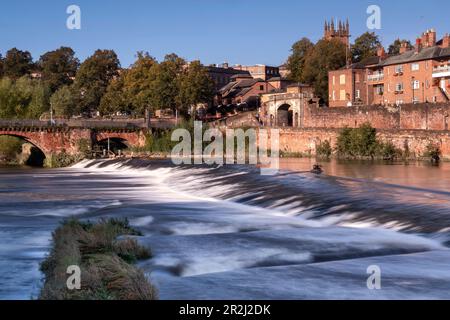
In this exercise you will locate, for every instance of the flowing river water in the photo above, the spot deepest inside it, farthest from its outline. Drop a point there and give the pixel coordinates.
(231, 233)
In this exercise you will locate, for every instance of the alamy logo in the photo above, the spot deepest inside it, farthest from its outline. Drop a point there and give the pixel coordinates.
(74, 20)
(236, 149)
(374, 280)
(374, 19)
(74, 280)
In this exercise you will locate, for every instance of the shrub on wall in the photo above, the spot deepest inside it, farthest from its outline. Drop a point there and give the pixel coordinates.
(324, 150)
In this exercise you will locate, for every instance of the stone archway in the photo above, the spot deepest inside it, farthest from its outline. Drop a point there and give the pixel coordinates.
(285, 115)
(35, 155)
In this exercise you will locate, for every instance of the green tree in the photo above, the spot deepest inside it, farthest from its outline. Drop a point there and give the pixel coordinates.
(394, 48)
(166, 85)
(64, 101)
(324, 57)
(195, 87)
(296, 61)
(115, 99)
(365, 46)
(93, 78)
(1, 67)
(17, 63)
(58, 67)
(137, 83)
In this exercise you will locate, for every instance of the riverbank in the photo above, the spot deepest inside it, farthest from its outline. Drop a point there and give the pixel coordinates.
(106, 263)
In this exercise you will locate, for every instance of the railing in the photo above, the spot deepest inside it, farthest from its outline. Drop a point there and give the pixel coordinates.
(92, 124)
(375, 77)
(440, 69)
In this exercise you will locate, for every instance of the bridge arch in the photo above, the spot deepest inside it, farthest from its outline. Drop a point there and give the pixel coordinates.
(37, 153)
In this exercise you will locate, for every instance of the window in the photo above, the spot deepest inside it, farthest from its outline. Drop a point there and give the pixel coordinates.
(399, 87)
(415, 67)
(399, 102)
(342, 79)
(342, 95)
(416, 85)
(357, 78)
(334, 80)
(334, 95)
(379, 90)
(261, 88)
(399, 69)
(358, 94)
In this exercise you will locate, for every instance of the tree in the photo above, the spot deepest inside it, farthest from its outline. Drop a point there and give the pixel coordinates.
(195, 87)
(1, 66)
(17, 63)
(394, 48)
(365, 46)
(115, 98)
(296, 61)
(325, 56)
(64, 101)
(58, 67)
(137, 83)
(165, 86)
(93, 78)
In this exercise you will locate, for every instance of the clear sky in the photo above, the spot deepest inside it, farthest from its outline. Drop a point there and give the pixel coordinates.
(214, 31)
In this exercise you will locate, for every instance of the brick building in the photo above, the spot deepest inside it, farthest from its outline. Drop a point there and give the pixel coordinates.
(419, 74)
(260, 71)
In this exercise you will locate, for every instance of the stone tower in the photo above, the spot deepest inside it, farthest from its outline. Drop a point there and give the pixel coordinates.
(340, 31)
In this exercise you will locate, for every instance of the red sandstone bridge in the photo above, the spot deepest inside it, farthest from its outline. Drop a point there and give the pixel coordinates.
(68, 135)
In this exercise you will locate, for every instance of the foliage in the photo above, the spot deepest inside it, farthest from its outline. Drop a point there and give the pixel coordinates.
(10, 148)
(64, 102)
(195, 87)
(17, 63)
(93, 78)
(296, 61)
(394, 48)
(105, 263)
(58, 67)
(433, 152)
(62, 160)
(326, 56)
(387, 151)
(365, 46)
(357, 143)
(324, 150)
(23, 98)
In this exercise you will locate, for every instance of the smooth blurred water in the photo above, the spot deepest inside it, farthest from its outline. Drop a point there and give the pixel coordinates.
(230, 233)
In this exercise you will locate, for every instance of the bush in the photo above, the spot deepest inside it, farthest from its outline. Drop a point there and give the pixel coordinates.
(358, 143)
(324, 150)
(387, 151)
(10, 148)
(433, 152)
(62, 160)
(107, 272)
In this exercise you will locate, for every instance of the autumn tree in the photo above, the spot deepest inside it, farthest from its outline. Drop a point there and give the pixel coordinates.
(325, 56)
(365, 46)
(17, 63)
(58, 67)
(93, 78)
(296, 61)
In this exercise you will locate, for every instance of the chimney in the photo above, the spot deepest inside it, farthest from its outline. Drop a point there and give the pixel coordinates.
(404, 47)
(432, 38)
(446, 41)
(381, 52)
(424, 39)
(418, 45)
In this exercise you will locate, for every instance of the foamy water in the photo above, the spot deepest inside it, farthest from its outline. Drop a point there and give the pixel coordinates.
(236, 231)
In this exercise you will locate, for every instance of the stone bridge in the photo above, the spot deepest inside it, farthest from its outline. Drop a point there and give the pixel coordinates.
(72, 137)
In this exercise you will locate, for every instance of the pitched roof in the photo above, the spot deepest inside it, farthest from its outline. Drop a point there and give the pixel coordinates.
(424, 54)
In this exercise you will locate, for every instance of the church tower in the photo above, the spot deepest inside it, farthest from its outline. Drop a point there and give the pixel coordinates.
(340, 31)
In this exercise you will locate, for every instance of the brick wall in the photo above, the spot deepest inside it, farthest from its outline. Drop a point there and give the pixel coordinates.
(306, 140)
(407, 117)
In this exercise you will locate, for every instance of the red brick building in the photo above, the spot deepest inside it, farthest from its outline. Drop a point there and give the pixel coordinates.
(419, 74)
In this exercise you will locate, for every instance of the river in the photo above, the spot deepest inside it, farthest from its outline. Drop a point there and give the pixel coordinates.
(231, 233)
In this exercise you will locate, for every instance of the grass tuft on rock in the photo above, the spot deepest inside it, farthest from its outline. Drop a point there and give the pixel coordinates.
(105, 254)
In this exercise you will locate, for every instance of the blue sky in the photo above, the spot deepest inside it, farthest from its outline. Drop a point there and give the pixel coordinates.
(214, 31)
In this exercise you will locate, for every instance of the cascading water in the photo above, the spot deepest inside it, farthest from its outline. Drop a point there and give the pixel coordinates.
(230, 233)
